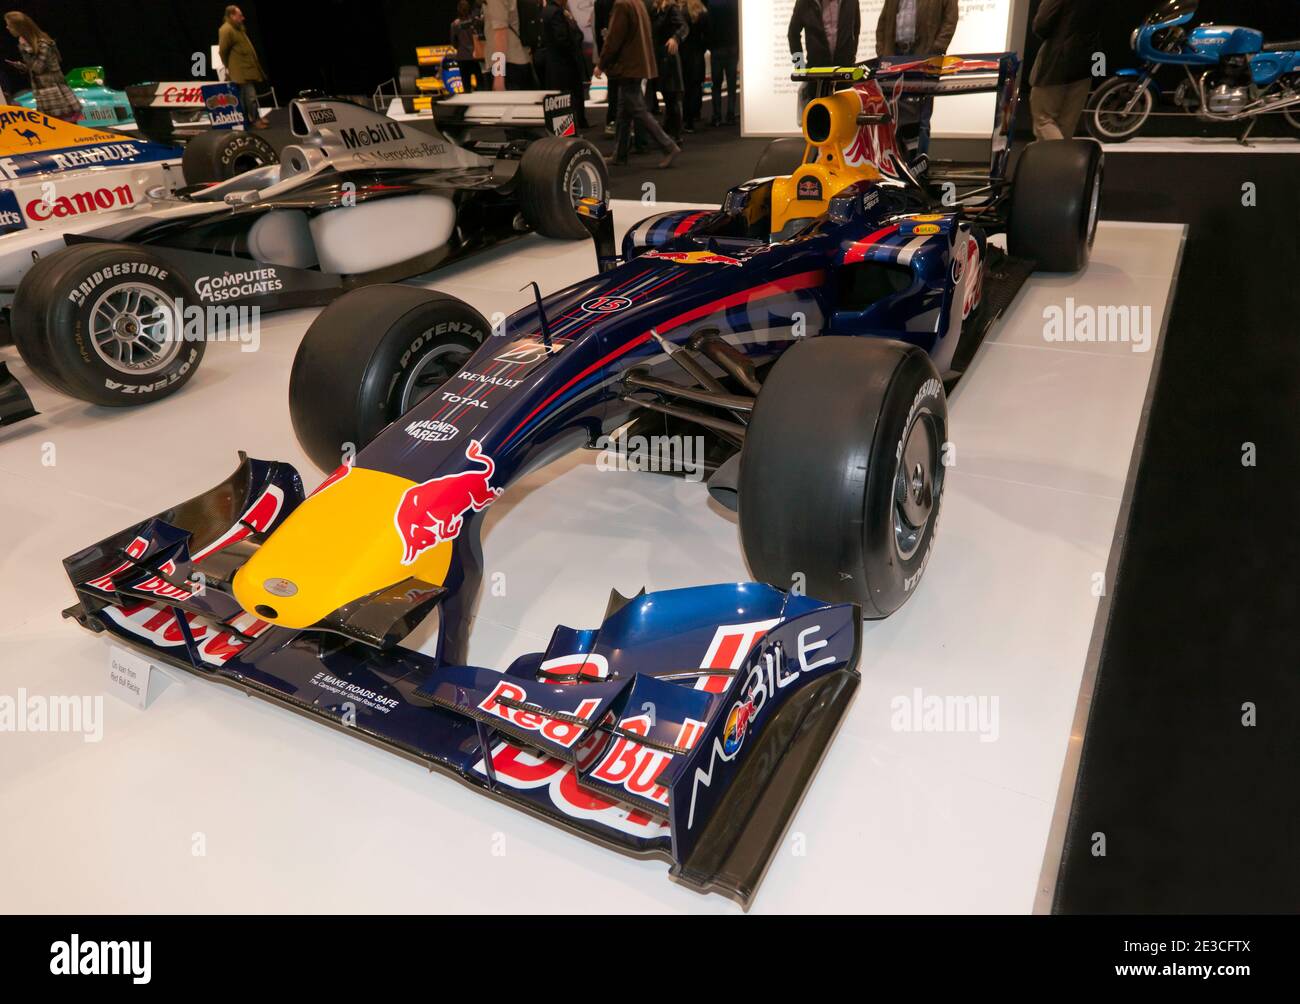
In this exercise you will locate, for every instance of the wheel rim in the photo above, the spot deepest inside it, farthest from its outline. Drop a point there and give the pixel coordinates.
(1094, 206)
(430, 373)
(131, 328)
(586, 183)
(247, 162)
(1110, 115)
(918, 482)
(1292, 115)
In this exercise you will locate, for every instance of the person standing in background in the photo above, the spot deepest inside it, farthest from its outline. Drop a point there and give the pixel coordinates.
(40, 61)
(628, 57)
(561, 63)
(599, 28)
(670, 31)
(1062, 74)
(823, 33)
(242, 65)
(467, 37)
(507, 44)
(724, 57)
(917, 28)
(693, 49)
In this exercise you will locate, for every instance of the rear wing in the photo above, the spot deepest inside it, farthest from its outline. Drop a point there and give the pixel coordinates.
(936, 76)
(166, 110)
(551, 111)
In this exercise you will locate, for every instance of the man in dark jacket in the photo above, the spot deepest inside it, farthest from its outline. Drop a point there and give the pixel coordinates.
(724, 58)
(829, 30)
(599, 28)
(916, 28)
(920, 27)
(1062, 74)
(823, 33)
(560, 62)
(628, 57)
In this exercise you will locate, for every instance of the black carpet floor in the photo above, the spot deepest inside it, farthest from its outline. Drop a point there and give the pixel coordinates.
(1191, 760)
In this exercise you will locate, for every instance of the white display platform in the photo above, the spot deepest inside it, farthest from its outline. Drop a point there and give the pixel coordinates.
(291, 816)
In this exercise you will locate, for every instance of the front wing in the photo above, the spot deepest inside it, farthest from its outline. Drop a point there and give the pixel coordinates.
(687, 726)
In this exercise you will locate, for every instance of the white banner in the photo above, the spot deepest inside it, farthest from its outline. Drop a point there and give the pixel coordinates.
(769, 104)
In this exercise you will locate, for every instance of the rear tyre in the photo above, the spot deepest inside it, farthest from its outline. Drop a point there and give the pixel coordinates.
(1055, 200)
(407, 89)
(1116, 111)
(557, 173)
(370, 357)
(781, 157)
(101, 322)
(222, 154)
(841, 474)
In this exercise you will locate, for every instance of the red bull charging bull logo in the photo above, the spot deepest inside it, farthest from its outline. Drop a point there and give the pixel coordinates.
(733, 735)
(693, 257)
(433, 513)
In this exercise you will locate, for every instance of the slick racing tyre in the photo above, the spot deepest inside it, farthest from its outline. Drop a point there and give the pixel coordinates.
(555, 175)
(102, 322)
(370, 357)
(1117, 111)
(1055, 197)
(221, 154)
(407, 89)
(781, 157)
(841, 473)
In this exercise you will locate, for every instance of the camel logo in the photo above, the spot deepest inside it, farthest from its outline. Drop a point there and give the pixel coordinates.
(433, 513)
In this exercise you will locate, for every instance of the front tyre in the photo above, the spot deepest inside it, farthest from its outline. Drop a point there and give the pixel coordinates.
(841, 474)
(557, 173)
(369, 357)
(103, 322)
(1119, 109)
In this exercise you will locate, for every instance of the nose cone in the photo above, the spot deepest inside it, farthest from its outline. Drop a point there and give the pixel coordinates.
(338, 546)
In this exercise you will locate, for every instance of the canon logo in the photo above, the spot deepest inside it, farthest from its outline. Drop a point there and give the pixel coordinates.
(93, 201)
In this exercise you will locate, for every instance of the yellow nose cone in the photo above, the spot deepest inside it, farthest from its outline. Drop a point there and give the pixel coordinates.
(338, 546)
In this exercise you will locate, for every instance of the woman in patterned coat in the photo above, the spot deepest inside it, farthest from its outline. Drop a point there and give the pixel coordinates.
(40, 61)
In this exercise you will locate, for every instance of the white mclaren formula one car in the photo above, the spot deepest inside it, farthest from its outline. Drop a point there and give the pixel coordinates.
(358, 198)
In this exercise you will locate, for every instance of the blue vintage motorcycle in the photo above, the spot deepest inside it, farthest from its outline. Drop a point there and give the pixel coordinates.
(1231, 75)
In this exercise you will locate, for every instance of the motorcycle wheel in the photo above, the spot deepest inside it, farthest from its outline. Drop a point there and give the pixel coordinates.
(1108, 120)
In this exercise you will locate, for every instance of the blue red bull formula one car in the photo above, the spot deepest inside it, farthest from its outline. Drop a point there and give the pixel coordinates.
(804, 332)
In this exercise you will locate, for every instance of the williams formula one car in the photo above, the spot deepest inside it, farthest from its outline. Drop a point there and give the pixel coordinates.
(804, 331)
(57, 178)
(121, 315)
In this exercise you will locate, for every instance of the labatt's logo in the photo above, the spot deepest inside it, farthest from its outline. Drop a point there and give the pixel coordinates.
(561, 732)
(95, 200)
(693, 257)
(432, 513)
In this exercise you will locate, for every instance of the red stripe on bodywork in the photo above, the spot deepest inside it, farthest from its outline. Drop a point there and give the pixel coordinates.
(803, 280)
(858, 249)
